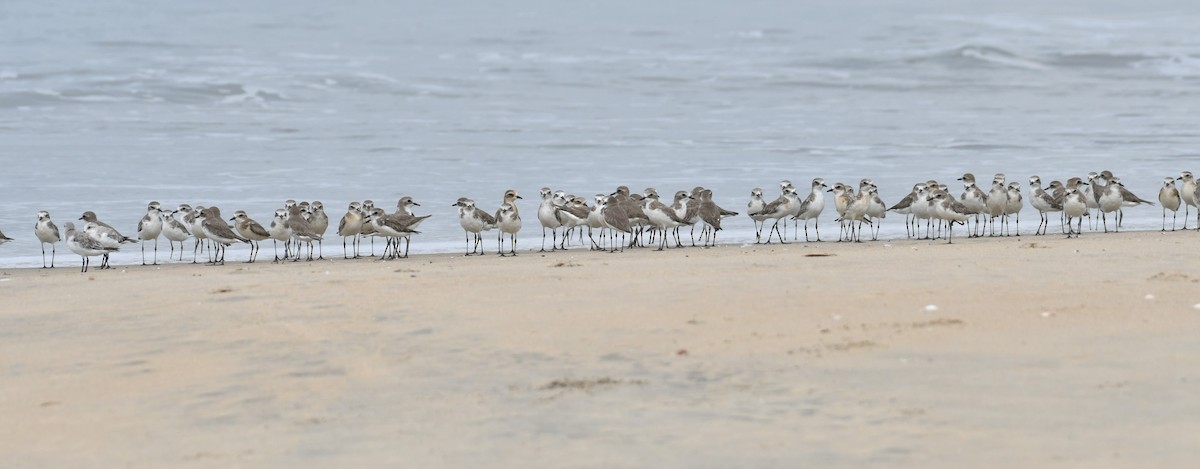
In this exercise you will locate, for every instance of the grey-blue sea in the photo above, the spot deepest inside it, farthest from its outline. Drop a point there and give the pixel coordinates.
(108, 104)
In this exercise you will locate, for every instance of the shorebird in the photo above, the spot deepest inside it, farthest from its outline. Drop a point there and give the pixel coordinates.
(1128, 199)
(1058, 192)
(596, 220)
(682, 205)
(174, 231)
(1187, 195)
(301, 231)
(1169, 197)
(47, 232)
(148, 228)
(997, 203)
(856, 211)
(319, 222)
(905, 206)
(368, 206)
(1043, 202)
(1091, 194)
(711, 213)
(777, 209)
(616, 220)
(632, 206)
(405, 218)
(190, 214)
(922, 208)
(1013, 205)
(86, 246)
(251, 230)
(1074, 205)
(662, 217)
(280, 231)
(474, 222)
(5, 239)
(754, 209)
(512, 223)
(108, 236)
(574, 213)
(952, 211)
(219, 233)
(350, 227)
(548, 215)
(691, 212)
(812, 206)
(975, 200)
(876, 211)
(391, 227)
(843, 196)
(508, 220)
(1113, 197)
(784, 185)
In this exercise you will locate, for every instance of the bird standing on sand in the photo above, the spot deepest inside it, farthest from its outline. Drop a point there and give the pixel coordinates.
(1043, 202)
(319, 222)
(301, 231)
(108, 236)
(508, 220)
(812, 206)
(279, 231)
(952, 211)
(148, 228)
(216, 230)
(174, 231)
(251, 230)
(46, 232)
(1169, 197)
(80, 242)
(349, 227)
(548, 215)
(711, 214)
(404, 217)
(474, 222)
(1074, 206)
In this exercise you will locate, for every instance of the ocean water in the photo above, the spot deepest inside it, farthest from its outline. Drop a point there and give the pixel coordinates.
(108, 104)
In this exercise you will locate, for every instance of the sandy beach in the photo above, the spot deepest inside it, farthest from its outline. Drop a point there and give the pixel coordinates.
(1005, 352)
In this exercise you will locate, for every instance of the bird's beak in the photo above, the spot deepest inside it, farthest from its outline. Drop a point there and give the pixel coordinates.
(414, 203)
(519, 197)
(830, 190)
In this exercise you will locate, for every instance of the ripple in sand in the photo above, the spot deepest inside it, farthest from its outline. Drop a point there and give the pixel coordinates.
(588, 385)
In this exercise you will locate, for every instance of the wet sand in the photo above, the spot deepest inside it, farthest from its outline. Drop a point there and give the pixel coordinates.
(989, 352)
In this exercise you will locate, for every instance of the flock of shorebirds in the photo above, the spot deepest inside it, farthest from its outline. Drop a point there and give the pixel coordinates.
(637, 219)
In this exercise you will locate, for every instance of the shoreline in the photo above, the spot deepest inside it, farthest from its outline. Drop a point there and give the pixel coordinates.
(959, 238)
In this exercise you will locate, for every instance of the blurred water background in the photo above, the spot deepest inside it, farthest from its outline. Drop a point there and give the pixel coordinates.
(108, 104)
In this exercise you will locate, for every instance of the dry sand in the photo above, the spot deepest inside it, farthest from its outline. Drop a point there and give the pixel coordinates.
(1041, 351)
